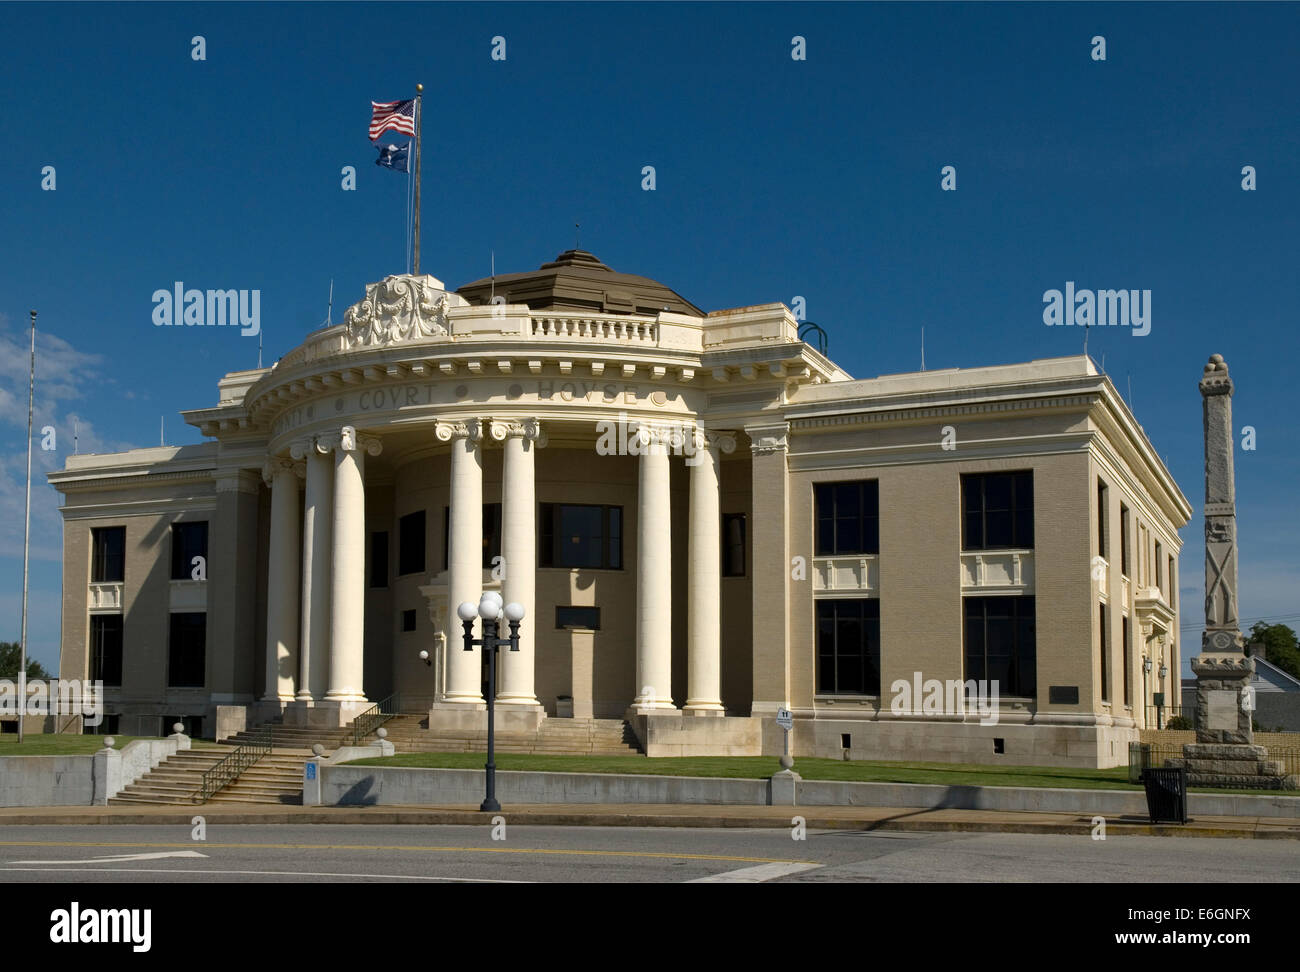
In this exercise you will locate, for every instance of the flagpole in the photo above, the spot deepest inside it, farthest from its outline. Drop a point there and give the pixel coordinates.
(27, 533)
(419, 88)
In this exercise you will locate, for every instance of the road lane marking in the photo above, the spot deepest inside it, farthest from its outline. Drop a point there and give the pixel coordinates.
(122, 858)
(182, 870)
(755, 875)
(420, 847)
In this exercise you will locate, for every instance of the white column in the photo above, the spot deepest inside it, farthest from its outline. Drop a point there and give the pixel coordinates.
(348, 583)
(317, 519)
(519, 552)
(282, 603)
(704, 608)
(654, 659)
(464, 554)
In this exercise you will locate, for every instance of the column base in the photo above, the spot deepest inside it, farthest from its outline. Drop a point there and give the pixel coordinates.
(704, 709)
(324, 714)
(507, 718)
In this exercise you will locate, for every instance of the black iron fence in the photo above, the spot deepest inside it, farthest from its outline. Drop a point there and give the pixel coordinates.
(230, 768)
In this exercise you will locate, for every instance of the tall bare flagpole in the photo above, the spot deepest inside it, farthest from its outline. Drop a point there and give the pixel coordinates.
(419, 89)
(27, 535)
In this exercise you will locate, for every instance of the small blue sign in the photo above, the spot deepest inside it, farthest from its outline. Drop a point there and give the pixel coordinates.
(311, 771)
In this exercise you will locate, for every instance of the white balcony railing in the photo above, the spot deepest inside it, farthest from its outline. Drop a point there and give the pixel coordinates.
(105, 597)
(997, 572)
(611, 328)
(852, 574)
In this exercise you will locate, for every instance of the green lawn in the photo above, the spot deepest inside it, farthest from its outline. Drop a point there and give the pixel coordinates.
(760, 767)
(58, 744)
(66, 744)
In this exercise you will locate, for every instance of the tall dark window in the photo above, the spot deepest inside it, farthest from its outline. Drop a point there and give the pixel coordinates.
(187, 650)
(1000, 643)
(379, 558)
(107, 555)
(585, 618)
(848, 646)
(189, 540)
(106, 649)
(1173, 585)
(997, 510)
(848, 518)
(410, 543)
(1102, 520)
(733, 545)
(1124, 633)
(1160, 568)
(491, 535)
(1123, 540)
(1105, 656)
(581, 536)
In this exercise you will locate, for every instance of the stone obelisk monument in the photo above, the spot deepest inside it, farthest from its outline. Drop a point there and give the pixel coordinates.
(1223, 754)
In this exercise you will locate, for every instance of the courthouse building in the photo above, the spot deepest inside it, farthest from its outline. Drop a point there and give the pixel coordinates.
(706, 519)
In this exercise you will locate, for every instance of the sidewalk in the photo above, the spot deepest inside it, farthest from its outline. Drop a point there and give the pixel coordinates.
(661, 815)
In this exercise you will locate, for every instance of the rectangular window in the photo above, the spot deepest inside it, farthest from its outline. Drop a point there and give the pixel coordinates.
(581, 536)
(189, 540)
(491, 535)
(1001, 643)
(187, 650)
(106, 649)
(847, 517)
(1160, 568)
(108, 555)
(583, 618)
(997, 510)
(733, 545)
(848, 646)
(1102, 518)
(408, 620)
(1124, 633)
(1105, 656)
(410, 543)
(1123, 540)
(379, 558)
(1173, 586)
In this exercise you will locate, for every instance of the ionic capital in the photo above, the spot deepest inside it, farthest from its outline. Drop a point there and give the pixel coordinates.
(713, 440)
(276, 465)
(502, 429)
(470, 429)
(348, 439)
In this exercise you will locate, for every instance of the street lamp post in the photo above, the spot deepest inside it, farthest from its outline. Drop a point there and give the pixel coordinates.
(1160, 709)
(1146, 671)
(490, 610)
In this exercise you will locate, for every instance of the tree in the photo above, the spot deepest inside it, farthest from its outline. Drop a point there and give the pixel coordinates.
(9, 651)
(1280, 646)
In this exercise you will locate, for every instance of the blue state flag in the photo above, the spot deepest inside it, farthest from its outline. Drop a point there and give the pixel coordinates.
(394, 157)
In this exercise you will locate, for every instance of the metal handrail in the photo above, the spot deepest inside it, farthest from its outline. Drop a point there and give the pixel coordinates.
(229, 769)
(374, 717)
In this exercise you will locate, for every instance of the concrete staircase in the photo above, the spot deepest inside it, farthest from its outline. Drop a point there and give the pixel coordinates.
(275, 779)
(560, 737)
(177, 779)
(294, 738)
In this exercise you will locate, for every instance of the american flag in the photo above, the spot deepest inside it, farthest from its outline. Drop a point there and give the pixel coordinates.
(397, 115)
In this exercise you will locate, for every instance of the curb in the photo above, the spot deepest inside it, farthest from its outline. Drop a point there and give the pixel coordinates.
(812, 819)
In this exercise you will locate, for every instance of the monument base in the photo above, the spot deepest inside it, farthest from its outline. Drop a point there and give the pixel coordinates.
(1232, 767)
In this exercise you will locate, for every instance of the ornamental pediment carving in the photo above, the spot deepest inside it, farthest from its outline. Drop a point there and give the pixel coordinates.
(399, 309)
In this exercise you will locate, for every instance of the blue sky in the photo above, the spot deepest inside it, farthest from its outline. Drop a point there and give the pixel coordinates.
(774, 178)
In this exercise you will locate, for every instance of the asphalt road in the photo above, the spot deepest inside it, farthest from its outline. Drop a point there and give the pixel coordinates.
(597, 855)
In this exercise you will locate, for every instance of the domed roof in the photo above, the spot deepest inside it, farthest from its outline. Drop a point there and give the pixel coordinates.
(577, 281)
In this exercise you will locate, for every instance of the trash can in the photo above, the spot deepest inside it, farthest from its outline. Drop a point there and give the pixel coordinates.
(564, 707)
(1166, 794)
